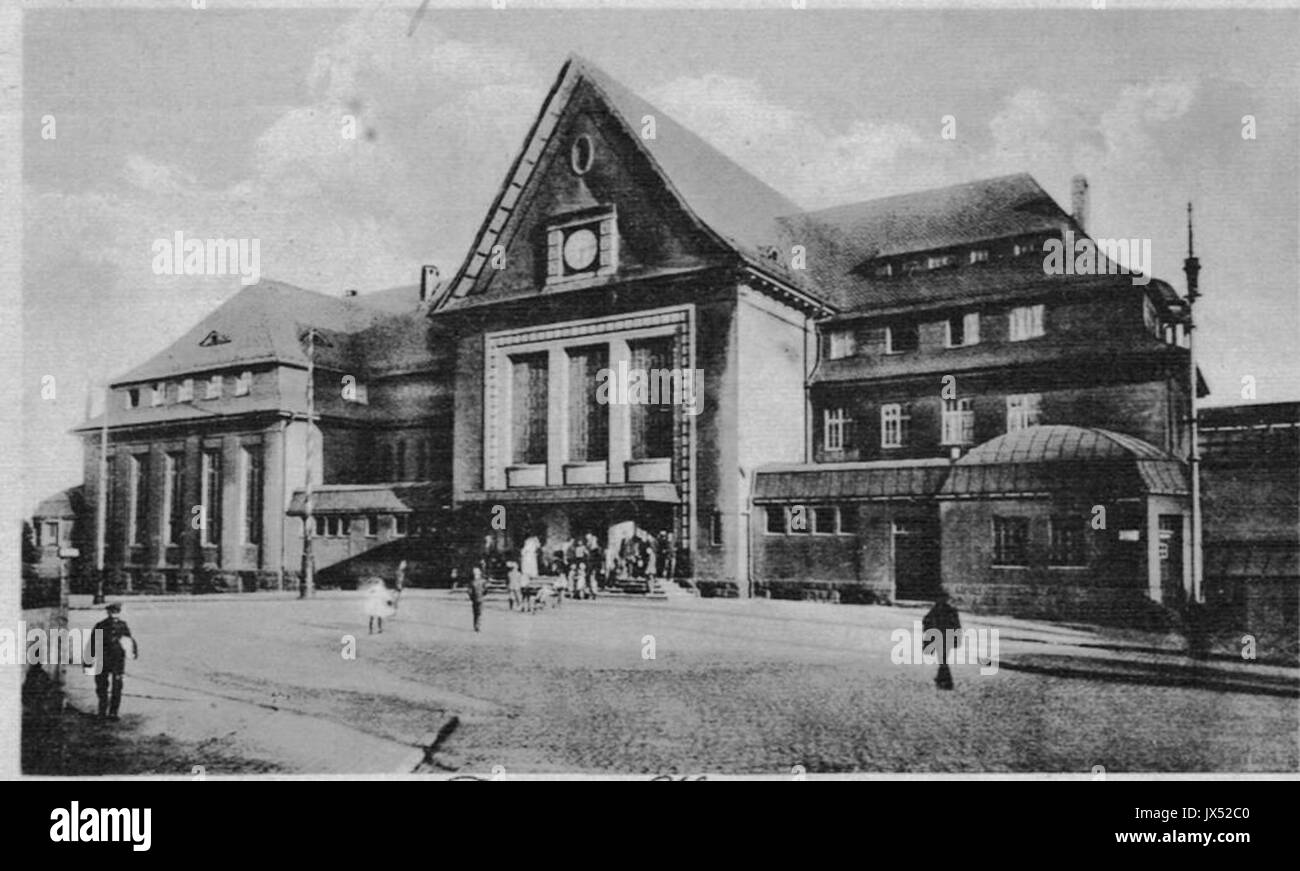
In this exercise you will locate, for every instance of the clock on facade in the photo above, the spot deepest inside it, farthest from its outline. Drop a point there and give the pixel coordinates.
(580, 249)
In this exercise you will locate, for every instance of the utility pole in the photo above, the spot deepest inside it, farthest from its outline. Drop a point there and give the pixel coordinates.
(1192, 268)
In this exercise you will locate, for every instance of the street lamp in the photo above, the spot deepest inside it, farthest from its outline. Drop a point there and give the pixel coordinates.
(1192, 268)
(307, 585)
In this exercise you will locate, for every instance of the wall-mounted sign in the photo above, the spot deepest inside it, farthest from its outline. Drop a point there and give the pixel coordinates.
(1129, 535)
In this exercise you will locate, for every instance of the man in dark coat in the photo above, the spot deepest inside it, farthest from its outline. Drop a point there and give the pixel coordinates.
(942, 618)
(108, 649)
(477, 591)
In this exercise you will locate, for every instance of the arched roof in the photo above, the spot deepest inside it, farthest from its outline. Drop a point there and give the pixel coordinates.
(1059, 443)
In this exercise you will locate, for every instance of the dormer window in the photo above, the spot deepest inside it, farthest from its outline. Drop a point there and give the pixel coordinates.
(243, 383)
(582, 249)
(214, 388)
(159, 394)
(186, 391)
(214, 338)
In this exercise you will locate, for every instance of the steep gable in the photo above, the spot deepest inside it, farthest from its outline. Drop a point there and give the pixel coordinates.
(679, 203)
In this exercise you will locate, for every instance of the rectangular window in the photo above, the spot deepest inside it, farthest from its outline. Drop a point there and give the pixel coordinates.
(940, 261)
(174, 514)
(900, 338)
(213, 389)
(842, 344)
(131, 398)
(139, 465)
(963, 330)
(1022, 411)
(50, 533)
(715, 529)
(588, 419)
(399, 469)
(775, 519)
(979, 255)
(836, 422)
(210, 497)
(894, 426)
(825, 521)
(1026, 322)
(529, 414)
(185, 393)
(244, 383)
(251, 485)
(958, 422)
(652, 423)
(1025, 247)
(318, 521)
(884, 270)
(401, 525)
(1010, 541)
(159, 394)
(372, 525)
(1068, 537)
(848, 520)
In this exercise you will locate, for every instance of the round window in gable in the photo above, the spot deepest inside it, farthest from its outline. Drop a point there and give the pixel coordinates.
(582, 154)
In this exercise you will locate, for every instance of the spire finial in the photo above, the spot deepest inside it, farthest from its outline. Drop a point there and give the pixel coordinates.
(1191, 248)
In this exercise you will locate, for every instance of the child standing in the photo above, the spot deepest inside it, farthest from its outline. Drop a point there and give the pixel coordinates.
(379, 604)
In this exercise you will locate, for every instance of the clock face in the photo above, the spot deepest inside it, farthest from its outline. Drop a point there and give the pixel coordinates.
(580, 249)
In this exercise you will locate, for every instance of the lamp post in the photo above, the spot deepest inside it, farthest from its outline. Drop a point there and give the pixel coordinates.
(307, 585)
(1192, 268)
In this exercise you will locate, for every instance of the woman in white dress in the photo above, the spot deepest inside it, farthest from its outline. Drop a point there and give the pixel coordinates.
(528, 558)
(379, 603)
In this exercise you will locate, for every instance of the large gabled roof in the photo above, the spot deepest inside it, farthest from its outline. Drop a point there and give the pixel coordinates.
(989, 208)
(263, 323)
(726, 200)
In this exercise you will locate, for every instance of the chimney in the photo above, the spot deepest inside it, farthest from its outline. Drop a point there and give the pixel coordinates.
(1079, 201)
(428, 282)
(350, 292)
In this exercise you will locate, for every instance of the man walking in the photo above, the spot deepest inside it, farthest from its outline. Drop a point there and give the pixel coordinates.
(477, 590)
(108, 641)
(942, 618)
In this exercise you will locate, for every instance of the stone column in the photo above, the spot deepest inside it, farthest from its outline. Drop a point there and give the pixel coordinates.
(620, 418)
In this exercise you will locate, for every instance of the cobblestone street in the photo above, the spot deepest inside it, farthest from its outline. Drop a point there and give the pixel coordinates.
(734, 687)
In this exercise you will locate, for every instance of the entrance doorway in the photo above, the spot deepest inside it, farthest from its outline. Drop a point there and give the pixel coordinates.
(1170, 554)
(915, 548)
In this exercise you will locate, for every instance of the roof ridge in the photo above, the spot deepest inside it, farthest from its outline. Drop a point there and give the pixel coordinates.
(904, 195)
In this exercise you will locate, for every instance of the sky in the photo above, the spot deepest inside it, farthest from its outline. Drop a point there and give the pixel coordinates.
(227, 124)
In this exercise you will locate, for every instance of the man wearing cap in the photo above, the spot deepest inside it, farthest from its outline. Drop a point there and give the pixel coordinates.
(108, 642)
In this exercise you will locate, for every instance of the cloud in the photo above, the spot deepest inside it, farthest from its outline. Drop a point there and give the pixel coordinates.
(786, 146)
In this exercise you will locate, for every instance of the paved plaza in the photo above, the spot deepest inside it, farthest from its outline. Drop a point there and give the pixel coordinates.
(260, 683)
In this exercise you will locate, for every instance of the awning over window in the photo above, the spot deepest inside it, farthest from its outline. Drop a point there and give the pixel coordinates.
(655, 492)
(838, 481)
(372, 499)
